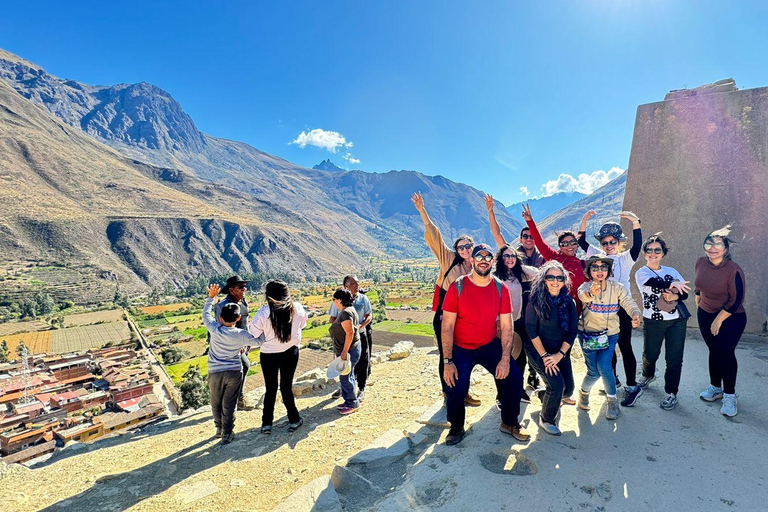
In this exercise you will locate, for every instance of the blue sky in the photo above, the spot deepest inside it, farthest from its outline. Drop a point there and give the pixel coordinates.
(499, 95)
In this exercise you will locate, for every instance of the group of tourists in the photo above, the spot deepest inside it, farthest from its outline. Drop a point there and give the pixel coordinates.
(531, 302)
(528, 303)
(276, 331)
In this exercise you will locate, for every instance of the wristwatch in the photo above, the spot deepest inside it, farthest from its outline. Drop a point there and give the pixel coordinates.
(447, 360)
(562, 353)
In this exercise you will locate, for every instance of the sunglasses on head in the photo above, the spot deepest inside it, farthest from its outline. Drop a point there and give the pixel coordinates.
(465, 247)
(483, 257)
(525, 237)
(508, 257)
(714, 245)
(654, 250)
(599, 268)
(609, 242)
(551, 278)
(572, 243)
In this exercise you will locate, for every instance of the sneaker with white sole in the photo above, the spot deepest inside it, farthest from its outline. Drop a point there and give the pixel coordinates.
(669, 402)
(729, 406)
(711, 394)
(645, 381)
(549, 428)
(631, 394)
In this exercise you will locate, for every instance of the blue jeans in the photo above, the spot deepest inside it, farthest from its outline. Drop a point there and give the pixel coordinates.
(557, 386)
(599, 365)
(349, 382)
(488, 356)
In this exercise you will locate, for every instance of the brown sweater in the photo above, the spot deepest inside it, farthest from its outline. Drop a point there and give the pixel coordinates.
(719, 287)
(445, 257)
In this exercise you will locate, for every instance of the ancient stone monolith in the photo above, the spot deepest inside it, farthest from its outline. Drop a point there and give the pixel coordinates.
(699, 161)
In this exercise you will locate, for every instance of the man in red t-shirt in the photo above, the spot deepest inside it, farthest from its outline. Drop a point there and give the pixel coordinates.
(469, 336)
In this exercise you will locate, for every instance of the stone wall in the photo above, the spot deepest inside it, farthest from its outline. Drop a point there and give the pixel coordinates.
(700, 162)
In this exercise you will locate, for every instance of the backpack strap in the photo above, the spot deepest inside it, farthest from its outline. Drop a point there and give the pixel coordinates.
(459, 284)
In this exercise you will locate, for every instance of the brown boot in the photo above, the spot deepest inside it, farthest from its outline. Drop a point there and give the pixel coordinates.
(472, 400)
(517, 432)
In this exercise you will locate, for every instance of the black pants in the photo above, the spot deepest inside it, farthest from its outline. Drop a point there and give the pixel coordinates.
(722, 348)
(437, 324)
(557, 386)
(625, 346)
(369, 333)
(285, 364)
(246, 368)
(363, 366)
(224, 387)
(671, 333)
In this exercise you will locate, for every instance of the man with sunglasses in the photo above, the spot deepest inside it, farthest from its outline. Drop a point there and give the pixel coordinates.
(235, 289)
(533, 257)
(469, 337)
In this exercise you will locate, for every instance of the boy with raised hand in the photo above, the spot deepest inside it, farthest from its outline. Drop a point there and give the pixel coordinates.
(224, 365)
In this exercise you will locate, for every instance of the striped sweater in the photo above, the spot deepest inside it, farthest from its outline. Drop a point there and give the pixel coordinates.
(602, 312)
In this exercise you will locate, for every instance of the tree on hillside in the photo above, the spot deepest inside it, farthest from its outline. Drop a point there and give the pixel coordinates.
(28, 309)
(20, 348)
(4, 352)
(120, 299)
(45, 303)
(194, 391)
(172, 355)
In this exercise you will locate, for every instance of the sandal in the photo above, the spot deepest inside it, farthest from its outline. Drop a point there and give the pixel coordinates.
(266, 430)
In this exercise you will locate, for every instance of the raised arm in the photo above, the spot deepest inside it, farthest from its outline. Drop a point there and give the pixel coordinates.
(209, 320)
(546, 251)
(495, 228)
(637, 234)
(432, 234)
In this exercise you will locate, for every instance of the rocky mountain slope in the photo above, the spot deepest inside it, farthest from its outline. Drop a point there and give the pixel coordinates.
(545, 206)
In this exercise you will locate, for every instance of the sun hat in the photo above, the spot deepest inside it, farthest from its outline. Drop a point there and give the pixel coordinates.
(233, 281)
(339, 367)
(595, 259)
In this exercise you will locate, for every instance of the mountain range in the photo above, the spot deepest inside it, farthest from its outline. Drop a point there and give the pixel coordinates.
(117, 183)
(542, 207)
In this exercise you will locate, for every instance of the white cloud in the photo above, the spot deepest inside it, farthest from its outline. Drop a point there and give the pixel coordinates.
(349, 158)
(524, 191)
(584, 183)
(320, 138)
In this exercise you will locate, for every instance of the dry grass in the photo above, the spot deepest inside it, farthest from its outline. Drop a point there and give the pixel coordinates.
(80, 339)
(111, 315)
(21, 327)
(153, 310)
(37, 342)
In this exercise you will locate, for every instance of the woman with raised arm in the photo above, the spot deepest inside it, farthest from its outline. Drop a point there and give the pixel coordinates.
(551, 322)
(453, 264)
(664, 318)
(612, 241)
(720, 289)
(569, 245)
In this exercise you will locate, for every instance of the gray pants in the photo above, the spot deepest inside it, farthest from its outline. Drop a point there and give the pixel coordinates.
(225, 389)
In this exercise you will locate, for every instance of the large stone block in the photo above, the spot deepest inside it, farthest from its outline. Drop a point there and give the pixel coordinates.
(316, 496)
(401, 350)
(388, 448)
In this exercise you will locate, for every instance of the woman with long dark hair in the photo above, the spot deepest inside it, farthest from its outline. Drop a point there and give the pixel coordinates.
(720, 288)
(552, 323)
(280, 321)
(454, 263)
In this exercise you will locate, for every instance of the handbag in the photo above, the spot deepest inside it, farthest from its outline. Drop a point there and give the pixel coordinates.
(662, 303)
(594, 340)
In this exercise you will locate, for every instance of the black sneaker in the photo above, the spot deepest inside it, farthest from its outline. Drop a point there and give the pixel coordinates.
(526, 398)
(618, 382)
(227, 438)
(217, 435)
(533, 381)
(631, 394)
(336, 394)
(645, 381)
(455, 436)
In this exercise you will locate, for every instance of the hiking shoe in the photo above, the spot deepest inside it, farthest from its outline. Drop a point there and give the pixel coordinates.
(711, 394)
(526, 398)
(227, 438)
(549, 428)
(645, 381)
(583, 400)
(348, 410)
(361, 395)
(498, 404)
(517, 432)
(336, 394)
(293, 426)
(217, 435)
(729, 406)
(533, 381)
(569, 400)
(266, 429)
(631, 394)
(669, 402)
(455, 436)
(611, 408)
(472, 400)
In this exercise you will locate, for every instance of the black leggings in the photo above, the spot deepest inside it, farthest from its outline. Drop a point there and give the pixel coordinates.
(285, 364)
(437, 324)
(722, 348)
(625, 346)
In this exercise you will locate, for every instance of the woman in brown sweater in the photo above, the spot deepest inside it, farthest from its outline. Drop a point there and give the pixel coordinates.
(454, 263)
(719, 291)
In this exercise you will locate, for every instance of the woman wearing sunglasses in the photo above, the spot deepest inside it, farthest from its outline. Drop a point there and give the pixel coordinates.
(569, 245)
(611, 239)
(720, 292)
(665, 318)
(551, 322)
(599, 327)
(453, 264)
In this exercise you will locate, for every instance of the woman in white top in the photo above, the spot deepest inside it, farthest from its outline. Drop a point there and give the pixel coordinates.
(281, 322)
(612, 241)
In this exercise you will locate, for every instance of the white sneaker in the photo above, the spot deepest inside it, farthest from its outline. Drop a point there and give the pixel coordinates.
(729, 406)
(711, 394)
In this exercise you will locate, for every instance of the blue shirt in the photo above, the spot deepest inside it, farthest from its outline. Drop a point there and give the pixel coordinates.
(362, 305)
(225, 342)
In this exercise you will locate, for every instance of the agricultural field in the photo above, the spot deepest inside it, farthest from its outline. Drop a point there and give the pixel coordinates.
(80, 339)
(404, 328)
(110, 315)
(21, 327)
(402, 315)
(153, 310)
(176, 371)
(196, 348)
(38, 342)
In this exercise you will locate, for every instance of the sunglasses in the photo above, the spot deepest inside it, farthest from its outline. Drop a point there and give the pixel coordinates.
(526, 237)
(241, 287)
(465, 247)
(486, 257)
(572, 243)
(599, 268)
(508, 257)
(654, 250)
(551, 278)
(609, 242)
(714, 245)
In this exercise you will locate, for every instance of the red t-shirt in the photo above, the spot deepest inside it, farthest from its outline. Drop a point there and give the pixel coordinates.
(477, 309)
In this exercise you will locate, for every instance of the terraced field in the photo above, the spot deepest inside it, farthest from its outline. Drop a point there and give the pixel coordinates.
(86, 337)
(153, 310)
(38, 342)
(17, 327)
(110, 315)
(79, 284)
